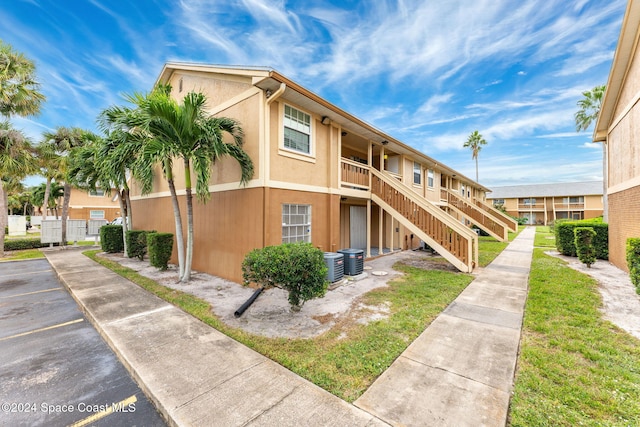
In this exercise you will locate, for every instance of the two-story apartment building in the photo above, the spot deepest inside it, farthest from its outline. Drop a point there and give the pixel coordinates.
(322, 176)
(541, 204)
(617, 128)
(98, 204)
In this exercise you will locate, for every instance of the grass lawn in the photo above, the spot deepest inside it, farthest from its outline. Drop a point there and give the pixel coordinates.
(20, 255)
(574, 367)
(544, 238)
(33, 253)
(349, 357)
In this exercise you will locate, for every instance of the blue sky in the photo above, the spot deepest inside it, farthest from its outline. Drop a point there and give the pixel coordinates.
(427, 72)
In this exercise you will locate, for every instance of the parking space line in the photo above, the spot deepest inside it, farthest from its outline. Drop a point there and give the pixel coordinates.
(31, 293)
(28, 272)
(42, 329)
(123, 405)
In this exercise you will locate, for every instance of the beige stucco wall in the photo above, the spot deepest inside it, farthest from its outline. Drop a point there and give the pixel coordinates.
(218, 88)
(624, 152)
(298, 168)
(81, 204)
(246, 111)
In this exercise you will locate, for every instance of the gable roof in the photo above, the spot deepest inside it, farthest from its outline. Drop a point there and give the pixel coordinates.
(561, 189)
(270, 81)
(625, 51)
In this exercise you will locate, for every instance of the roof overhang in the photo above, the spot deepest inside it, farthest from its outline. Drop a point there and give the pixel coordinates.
(625, 51)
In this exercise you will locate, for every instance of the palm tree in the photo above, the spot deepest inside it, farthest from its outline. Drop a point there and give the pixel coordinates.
(106, 163)
(48, 161)
(184, 131)
(19, 90)
(16, 160)
(130, 121)
(56, 191)
(475, 143)
(589, 109)
(63, 140)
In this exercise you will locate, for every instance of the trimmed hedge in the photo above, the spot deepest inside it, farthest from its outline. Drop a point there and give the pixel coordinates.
(111, 238)
(565, 237)
(160, 246)
(584, 245)
(22, 244)
(298, 268)
(633, 261)
(137, 243)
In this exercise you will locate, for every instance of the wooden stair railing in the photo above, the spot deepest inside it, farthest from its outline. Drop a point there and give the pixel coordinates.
(452, 240)
(511, 223)
(478, 217)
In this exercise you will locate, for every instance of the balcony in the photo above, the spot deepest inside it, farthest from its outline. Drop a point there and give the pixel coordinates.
(531, 206)
(569, 206)
(354, 175)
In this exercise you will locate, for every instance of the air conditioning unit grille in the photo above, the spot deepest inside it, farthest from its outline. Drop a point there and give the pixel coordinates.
(353, 260)
(335, 266)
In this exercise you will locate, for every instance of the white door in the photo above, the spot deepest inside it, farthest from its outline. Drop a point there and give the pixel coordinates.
(358, 227)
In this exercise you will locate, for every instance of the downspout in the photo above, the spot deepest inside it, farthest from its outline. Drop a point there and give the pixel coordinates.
(267, 162)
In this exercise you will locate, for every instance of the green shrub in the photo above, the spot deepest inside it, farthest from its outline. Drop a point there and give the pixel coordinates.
(111, 238)
(160, 246)
(633, 261)
(22, 244)
(298, 268)
(137, 243)
(521, 220)
(565, 238)
(584, 245)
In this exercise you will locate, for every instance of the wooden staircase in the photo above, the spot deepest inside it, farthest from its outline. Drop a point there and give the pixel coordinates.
(480, 214)
(448, 236)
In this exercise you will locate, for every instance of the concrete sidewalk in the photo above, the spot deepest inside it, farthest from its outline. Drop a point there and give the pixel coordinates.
(459, 372)
(195, 375)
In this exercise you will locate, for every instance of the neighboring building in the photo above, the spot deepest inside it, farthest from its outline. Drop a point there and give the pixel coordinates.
(541, 204)
(98, 204)
(617, 128)
(321, 176)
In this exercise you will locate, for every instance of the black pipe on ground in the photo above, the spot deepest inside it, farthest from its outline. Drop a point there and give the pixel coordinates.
(247, 303)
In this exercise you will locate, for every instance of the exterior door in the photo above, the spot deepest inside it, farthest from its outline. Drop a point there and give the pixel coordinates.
(531, 217)
(358, 227)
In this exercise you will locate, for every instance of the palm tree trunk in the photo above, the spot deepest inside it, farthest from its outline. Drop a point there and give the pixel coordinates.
(47, 190)
(3, 217)
(178, 219)
(186, 276)
(65, 211)
(477, 170)
(127, 203)
(125, 227)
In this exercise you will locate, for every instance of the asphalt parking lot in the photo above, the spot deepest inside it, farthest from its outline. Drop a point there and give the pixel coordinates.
(55, 369)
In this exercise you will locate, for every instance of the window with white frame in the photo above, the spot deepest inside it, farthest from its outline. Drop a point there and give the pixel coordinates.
(296, 223)
(417, 173)
(96, 193)
(430, 178)
(297, 130)
(96, 214)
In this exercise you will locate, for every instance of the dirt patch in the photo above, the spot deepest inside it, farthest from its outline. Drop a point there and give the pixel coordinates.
(270, 314)
(620, 302)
